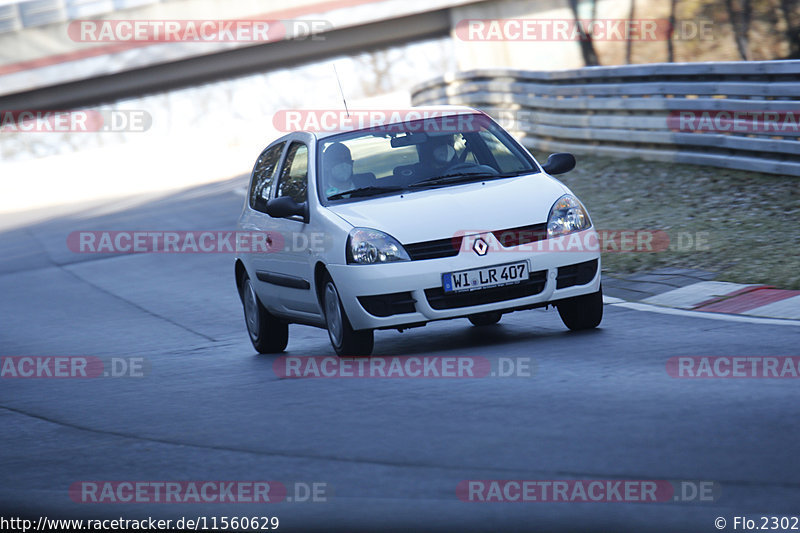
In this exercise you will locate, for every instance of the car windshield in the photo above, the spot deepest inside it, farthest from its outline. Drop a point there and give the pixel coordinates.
(428, 153)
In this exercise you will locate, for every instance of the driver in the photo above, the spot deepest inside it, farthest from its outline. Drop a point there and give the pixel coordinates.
(338, 164)
(439, 152)
(443, 152)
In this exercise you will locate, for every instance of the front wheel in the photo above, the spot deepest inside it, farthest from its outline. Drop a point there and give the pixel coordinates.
(582, 312)
(345, 340)
(267, 333)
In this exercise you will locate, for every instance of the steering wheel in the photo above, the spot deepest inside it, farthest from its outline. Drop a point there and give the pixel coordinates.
(472, 168)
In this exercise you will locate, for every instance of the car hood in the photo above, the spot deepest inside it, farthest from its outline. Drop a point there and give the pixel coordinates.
(476, 207)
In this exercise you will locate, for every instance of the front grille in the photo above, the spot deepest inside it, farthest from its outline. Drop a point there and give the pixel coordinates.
(434, 249)
(522, 235)
(577, 274)
(384, 305)
(438, 299)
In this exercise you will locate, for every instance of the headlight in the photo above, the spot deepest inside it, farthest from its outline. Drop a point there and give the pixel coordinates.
(367, 246)
(567, 216)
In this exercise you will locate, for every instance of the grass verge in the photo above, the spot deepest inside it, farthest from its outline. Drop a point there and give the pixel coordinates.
(751, 220)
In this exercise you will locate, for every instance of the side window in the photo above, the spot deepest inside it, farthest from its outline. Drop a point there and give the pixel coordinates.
(263, 173)
(293, 180)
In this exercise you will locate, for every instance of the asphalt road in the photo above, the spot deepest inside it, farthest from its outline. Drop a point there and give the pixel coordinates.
(600, 405)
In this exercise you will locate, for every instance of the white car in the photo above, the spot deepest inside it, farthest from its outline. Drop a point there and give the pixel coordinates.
(393, 226)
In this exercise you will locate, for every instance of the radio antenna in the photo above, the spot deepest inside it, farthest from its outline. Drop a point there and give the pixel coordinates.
(341, 91)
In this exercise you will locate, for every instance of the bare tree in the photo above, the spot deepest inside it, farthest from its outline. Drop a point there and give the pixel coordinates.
(584, 39)
(789, 9)
(741, 25)
(377, 68)
(672, 19)
(629, 41)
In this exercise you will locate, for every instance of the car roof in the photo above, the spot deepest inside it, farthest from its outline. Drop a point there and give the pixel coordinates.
(433, 111)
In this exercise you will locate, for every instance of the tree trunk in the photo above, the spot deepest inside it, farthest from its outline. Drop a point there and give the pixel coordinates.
(629, 42)
(670, 44)
(792, 31)
(741, 25)
(585, 40)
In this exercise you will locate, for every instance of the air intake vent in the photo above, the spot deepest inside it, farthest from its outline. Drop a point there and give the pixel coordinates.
(434, 249)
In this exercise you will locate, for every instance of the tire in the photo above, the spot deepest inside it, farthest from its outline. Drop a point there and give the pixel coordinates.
(485, 319)
(345, 341)
(267, 333)
(582, 312)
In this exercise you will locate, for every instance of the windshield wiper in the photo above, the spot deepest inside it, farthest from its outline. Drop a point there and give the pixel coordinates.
(459, 177)
(450, 178)
(366, 191)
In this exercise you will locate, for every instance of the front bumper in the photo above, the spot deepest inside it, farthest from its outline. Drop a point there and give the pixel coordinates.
(413, 289)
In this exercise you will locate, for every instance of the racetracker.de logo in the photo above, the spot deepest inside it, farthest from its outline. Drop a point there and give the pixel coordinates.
(535, 239)
(78, 121)
(551, 30)
(76, 366)
(196, 31)
(427, 120)
(425, 367)
(182, 242)
(205, 491)
(735, 367)
(586, 491)
(736, 121)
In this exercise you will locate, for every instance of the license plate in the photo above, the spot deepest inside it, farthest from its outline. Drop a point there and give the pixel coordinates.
(486, 277)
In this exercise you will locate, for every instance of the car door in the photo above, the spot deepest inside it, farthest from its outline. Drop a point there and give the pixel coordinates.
(290, 271)
(255, 219)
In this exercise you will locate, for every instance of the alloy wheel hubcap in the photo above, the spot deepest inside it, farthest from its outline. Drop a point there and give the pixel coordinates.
(251, 309)
(333, 314)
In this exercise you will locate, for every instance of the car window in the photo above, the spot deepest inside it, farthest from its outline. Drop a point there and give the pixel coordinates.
(293, 181)
(263, 174)
(392, 158)
(507, 161)
(376, 155)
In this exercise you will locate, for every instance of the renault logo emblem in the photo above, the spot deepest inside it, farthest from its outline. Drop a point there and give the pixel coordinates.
(480, 247)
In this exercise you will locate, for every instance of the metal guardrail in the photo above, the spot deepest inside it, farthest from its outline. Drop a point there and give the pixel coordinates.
(699, 113)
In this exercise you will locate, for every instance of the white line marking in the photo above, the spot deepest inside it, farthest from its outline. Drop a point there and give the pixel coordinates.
(612, 300)
(710, 316)
(240, 192)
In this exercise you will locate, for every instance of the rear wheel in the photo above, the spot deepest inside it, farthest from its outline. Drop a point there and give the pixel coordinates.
(582, 312)
(267, 333)
(345, 340)
(485, 319)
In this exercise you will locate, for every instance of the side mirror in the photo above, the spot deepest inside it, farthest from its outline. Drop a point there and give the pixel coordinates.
(285, 206)
(559, 163)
